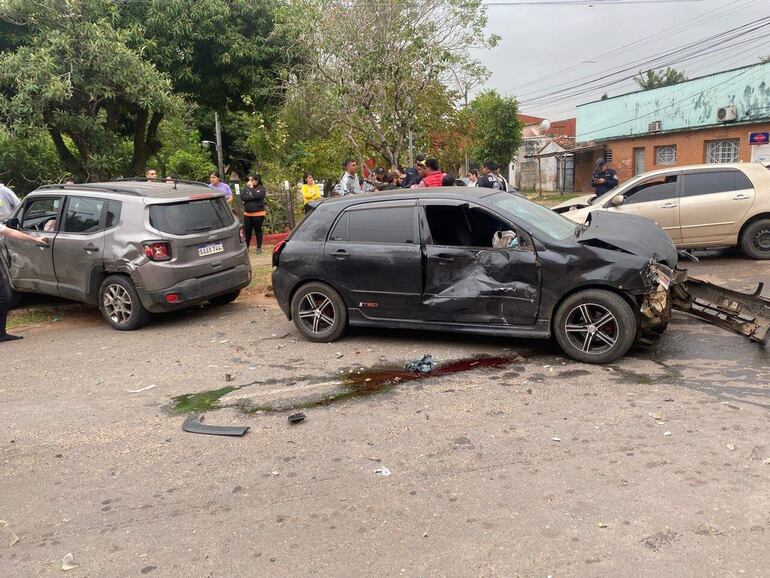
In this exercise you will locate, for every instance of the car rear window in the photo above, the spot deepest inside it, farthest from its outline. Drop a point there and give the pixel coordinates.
(191, 216)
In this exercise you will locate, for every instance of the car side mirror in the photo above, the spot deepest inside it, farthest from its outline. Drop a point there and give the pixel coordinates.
(617, 200)
(12, 223)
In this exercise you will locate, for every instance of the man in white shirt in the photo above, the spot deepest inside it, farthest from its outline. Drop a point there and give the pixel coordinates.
(349, 183)
(8, 202)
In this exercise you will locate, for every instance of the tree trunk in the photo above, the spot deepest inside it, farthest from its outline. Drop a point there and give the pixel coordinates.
(70, 162)
(139, 157)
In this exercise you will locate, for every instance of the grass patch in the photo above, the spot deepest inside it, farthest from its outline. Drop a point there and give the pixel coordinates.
(24, 317)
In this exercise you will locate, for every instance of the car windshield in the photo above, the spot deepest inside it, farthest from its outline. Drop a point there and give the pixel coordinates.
(525, 212)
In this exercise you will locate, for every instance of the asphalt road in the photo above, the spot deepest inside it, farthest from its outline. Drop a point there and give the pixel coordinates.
(655, 465)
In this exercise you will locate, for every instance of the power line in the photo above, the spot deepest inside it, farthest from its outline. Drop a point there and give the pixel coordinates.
(688, 51)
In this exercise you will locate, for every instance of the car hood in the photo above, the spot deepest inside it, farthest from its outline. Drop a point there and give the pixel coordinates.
(629, 234)
(571, 204)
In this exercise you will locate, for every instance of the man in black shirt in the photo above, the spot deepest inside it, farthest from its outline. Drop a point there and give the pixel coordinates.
(487, 179)
(604, 178)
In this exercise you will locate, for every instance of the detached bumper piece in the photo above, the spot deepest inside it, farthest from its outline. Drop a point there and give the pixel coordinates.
(192, 424)
(744, 313)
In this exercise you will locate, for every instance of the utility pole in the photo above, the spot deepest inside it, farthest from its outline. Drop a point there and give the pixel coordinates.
(220, 163)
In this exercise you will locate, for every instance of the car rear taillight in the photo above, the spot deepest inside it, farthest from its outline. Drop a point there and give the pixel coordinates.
(277, 251)
(157, 251)
(242, 235)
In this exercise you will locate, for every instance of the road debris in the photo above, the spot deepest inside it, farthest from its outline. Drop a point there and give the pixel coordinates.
(424, 365)
(731, 447)
(668, 433)
(555, 439)
(229, 377)
(383, 471)
(192, 424)
(602, 525)
(140, 390)
(296, 418)
(68, 562)
(744, 313)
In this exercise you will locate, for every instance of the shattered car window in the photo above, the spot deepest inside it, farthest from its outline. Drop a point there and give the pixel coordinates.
(527, 213)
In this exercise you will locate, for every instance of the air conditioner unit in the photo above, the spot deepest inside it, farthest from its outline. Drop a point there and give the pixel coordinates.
(655, 126)
(727, 113)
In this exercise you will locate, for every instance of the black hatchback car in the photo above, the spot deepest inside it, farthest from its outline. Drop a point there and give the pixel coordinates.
(476, 261)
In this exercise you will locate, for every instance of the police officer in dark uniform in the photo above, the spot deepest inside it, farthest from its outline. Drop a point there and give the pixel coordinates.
(604, 178)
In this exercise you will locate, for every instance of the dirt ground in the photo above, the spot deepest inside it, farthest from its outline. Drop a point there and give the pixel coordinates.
(655, 465)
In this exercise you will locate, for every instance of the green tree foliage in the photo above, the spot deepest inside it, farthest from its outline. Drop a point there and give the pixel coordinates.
(494, 127)
(380, 68)
(27, 162)
(658, 78)
(76, 75)
(181, 154)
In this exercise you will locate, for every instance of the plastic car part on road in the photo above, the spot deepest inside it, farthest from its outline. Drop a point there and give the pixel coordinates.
(192, 424)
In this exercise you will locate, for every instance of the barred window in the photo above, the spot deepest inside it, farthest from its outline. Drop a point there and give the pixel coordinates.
(722, 151)
(665, 155)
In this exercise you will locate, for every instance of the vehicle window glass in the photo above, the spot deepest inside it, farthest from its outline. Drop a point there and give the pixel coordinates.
(114, 209)
(652, 189)
(463, 226)
(709, 182)
(531, 215)
(381, 225)
(340, 232)
(40, 213)
(83, 215)
(191, 216)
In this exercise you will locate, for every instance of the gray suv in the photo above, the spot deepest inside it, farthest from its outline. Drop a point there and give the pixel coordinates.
(131, 248)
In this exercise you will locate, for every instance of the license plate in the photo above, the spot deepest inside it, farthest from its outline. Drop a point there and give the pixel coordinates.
(210, 249)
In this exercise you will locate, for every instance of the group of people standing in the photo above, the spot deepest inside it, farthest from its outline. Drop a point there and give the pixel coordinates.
(425, 172)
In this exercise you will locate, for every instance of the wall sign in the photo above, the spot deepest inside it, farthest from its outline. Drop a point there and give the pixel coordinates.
(759, 138)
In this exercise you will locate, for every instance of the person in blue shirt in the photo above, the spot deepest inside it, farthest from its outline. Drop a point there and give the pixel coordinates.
(216, 183)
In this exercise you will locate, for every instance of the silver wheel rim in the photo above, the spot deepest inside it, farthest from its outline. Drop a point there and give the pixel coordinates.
(117, 304)
(591, 328)
(316, 313)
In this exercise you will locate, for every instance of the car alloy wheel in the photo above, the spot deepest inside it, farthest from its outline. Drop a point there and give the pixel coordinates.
(316, 313)
(117, 304)
(591, 328)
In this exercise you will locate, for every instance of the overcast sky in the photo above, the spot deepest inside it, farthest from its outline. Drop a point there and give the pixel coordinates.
(542, 40)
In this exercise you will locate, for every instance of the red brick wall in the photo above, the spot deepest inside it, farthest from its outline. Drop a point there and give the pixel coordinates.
(690, 147)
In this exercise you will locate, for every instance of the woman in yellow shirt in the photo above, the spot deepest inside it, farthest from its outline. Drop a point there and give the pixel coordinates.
(310, 190)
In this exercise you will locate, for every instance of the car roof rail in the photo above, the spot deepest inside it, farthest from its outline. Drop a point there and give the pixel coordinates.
(158, 180)
(91, 187)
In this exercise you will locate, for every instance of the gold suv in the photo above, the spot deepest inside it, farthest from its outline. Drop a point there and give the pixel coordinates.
(699, 206)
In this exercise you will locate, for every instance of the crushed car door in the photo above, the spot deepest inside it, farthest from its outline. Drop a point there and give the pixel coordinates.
(466, 279)
(373, 257)
(31, 265)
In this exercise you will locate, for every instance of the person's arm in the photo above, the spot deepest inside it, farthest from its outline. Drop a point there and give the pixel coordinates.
(14, 234)
(613, 180)
(258, 193)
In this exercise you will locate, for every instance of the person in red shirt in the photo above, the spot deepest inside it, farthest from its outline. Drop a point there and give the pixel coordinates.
(433, 176)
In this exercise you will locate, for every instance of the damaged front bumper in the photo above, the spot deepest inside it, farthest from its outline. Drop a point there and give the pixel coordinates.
(744, 313)
(656, 303)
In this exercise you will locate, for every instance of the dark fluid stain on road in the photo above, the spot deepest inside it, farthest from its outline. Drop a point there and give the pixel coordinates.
(358, 382)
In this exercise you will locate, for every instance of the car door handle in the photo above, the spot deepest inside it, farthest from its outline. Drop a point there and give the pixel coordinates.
(341, 254)
(669, 206)
(89, 248)
(445, 257)
(741, 197)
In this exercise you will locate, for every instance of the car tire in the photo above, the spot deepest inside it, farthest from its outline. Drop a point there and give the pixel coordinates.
(120, 304)
(319, 312)
(595, 326)
(755, 241)
(225, 299)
